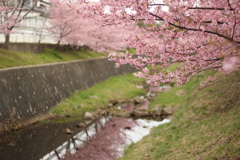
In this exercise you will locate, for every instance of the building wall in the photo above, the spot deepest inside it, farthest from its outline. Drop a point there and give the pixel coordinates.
(31, 29)
(28, 93)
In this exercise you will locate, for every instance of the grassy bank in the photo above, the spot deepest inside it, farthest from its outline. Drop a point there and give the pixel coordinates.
(206, 124)
(15, 59)
(115, 88)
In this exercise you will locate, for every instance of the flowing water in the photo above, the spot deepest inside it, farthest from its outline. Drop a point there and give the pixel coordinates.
(104, 138)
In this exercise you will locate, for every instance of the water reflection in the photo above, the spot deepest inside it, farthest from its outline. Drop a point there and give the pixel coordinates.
(104, 138)
(33, 142)
(104, 142)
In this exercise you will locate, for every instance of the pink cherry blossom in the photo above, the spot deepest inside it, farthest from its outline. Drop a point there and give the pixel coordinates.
(195, 35)
(231, 63)
(77, 25)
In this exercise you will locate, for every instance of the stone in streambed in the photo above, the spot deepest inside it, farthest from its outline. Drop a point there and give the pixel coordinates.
(158, 109)
(138, 100)
(122, 114)
(81, 124)
(140, 113)
(68, 131)
(168, 111)
(88, 115)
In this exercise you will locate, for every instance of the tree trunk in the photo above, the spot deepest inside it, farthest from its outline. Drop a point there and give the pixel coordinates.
(6, 43)
(36, 47)
(85, 47)
(55, 48)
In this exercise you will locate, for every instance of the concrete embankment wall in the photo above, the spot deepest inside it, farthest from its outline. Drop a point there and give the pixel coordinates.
(28, 93)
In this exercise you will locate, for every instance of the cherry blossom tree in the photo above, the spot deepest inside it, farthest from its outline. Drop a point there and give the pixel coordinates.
(100, 38)
(197, 35)
(12, 12)
(62, 20)
(68, 25)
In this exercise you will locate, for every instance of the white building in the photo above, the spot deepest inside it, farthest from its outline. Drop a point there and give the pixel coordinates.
(32, 27)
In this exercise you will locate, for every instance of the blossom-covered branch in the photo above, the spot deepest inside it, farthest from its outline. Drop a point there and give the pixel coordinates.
(197, 35)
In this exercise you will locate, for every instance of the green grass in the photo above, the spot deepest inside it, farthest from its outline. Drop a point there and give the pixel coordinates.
(15, 59)
(67, 119)
(98, 96)
(178, 95)
(205, 126)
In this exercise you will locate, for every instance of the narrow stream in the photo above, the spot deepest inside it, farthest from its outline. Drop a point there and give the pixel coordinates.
(101, 139)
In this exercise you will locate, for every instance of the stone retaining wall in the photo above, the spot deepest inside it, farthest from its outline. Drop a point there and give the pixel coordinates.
(28, 93)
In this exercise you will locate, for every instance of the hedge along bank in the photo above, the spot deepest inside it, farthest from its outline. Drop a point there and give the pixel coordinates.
(29, 93)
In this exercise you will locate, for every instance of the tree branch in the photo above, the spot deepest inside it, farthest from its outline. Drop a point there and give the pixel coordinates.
(209, 8)
(201, 8)
(194, 29)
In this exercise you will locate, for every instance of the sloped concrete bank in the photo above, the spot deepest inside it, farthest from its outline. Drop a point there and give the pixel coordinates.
(29, 93)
